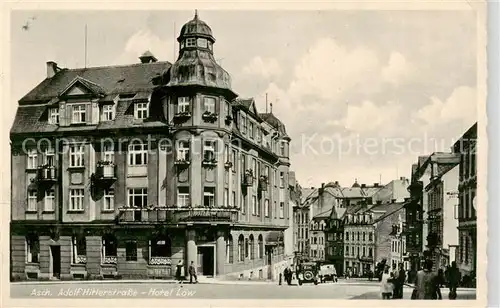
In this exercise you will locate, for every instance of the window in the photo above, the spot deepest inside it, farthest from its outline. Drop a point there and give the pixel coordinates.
(282, 148)
(346, 250)
(183, 150)
(243, 124)
(190, 42)
(32, 249)
(358, 235)
(109, 200)
(137, 154)
(183, 197)
(209, 150)
(229, 249)
(79, 251)
(260, 247)
(234, 199)
(347, 236)
(364, 251)
(32, 201)
(266, 208)
(209, 197)
(352, 251)
(202, 43)
(108, 113)
(275, 210)
(53, 115)
(282, 209)
(32, 159)
(370, 236)
(233, 160)
(49, 201)
(76, 155)
(254, 205)
(209, 104)
(241, 252)
(141, 111)
(161, 247)
(247, 248)
(79, 114)
(108, 153)
(226, 197)
(252, 247)
(49, 156)
(183, 104)
(275, 178)
(251, 130)
(137, 197)
(131, 251)
(370, 252)
(109, 249)
(76, 199)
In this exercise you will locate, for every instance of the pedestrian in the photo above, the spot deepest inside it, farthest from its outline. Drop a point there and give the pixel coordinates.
(399, 282)
(179, 272)
(386, 284)
(439, 281)
(425, 282)
(453, 280)
(192, 273)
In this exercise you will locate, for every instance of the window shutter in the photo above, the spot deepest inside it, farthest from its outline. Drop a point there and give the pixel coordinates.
(69, 114)
(95, 112)
(88, 113)
(63, 121)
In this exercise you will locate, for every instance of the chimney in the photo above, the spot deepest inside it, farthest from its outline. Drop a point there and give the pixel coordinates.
(402, 178)
(51, 69)
(320, 195)
(393, 200)
(375, 184)
(336, 182)
(379, 202)
(363, 185)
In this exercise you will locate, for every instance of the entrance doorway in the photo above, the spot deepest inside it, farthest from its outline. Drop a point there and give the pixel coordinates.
(55, 252)
(206, 260)
(269, 262)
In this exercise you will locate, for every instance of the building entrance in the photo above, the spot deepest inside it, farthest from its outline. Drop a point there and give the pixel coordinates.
(206, 260)
(55, 252)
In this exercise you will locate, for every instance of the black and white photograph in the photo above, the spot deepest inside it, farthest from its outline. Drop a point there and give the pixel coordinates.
(251, 155)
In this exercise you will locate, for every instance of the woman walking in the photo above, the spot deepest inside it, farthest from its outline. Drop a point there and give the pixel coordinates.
(386, 286)
(179, 272)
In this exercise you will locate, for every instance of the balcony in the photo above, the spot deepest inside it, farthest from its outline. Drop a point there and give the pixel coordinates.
(105, 171)
(248, 178)
(365, 258)
(160, 261)
(177, 215)
(46, 174)
(209, 163)
(182, 163)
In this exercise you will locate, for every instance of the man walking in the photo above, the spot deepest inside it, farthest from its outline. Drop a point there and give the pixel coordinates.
(192, 273)
(399, 282)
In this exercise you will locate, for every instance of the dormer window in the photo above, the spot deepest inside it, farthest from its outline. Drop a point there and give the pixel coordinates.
(202, 43)
(54, 115)
(190, 42)
(183, 104)
(108, 113)
(79, 114)
(141, 111)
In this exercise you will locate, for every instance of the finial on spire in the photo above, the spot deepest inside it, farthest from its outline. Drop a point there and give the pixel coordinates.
(195, 14)
(271, 105)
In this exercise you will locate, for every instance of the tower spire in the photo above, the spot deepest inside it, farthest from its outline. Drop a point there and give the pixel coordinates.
(195, 14)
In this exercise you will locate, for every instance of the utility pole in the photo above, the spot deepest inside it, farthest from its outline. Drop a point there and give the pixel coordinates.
(85, 48)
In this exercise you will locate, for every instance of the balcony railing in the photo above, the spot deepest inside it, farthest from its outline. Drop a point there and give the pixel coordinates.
(47, 174)
(160, 261)
(110, 260)
(177, 215)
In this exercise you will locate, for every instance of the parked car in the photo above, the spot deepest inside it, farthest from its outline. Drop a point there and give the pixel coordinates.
(327, 272)
(307, 273)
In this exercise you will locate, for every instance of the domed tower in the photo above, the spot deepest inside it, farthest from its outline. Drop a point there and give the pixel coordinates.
(197, 105)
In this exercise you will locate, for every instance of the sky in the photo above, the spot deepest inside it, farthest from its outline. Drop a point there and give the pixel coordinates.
(362, 93)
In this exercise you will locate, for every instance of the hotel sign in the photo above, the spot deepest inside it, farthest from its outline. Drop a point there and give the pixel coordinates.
(204, 215)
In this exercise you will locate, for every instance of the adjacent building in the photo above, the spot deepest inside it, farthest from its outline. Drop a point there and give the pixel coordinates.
(334, 243)
(123, 171)
(467, 256)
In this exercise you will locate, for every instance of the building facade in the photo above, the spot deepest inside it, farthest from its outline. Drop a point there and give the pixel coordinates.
(334, 248)
(124, 171)
(466, 213)
(317, 228)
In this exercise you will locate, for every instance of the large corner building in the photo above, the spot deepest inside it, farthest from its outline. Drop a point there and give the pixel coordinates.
(123, 171)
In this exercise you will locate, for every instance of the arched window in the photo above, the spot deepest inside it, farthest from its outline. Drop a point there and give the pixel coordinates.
(260, 247)
(229, 249)
(241, 252)
(160, 248)
(109, 248)
(33, 248)
(247, 248)
(252, 247)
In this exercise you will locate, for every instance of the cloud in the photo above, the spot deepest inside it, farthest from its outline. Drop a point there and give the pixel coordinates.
(367, 117)
(396, 69)
(266, 68)
(142, 41)
(461, 105)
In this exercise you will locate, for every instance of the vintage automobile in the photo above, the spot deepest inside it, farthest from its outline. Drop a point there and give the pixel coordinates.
(327, 272)
(307, 272)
